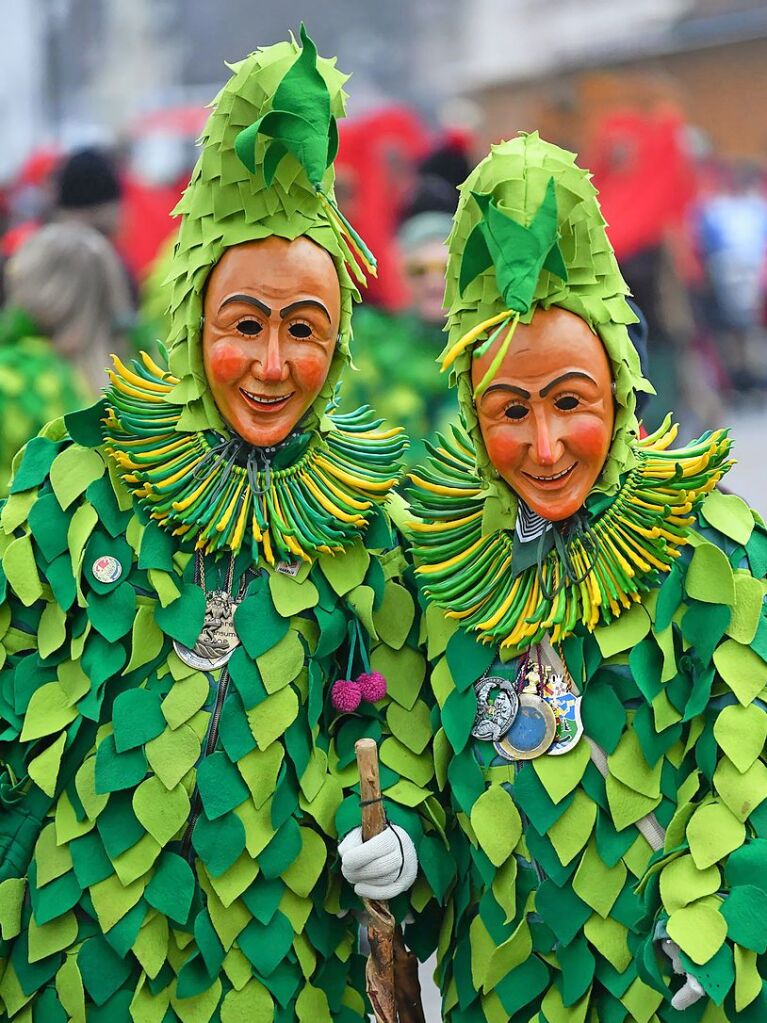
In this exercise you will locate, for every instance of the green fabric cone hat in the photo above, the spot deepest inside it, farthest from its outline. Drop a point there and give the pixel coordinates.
(265, 169)
(528, 233)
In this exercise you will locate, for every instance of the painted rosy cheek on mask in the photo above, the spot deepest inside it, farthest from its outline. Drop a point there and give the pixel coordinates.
(589, 436)
(228, 362)
(504, 450)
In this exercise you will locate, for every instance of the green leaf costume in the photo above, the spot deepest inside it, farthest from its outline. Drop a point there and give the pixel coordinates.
(168, 835)
(560, 898)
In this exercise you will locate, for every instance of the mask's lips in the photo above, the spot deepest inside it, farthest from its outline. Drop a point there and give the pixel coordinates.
(552, 482)
(266, 402)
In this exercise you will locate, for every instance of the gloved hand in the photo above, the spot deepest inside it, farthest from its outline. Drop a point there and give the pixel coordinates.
(691, 991)
(382, 867)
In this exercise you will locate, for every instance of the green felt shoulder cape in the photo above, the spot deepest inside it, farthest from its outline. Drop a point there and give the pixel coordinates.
(143, 872)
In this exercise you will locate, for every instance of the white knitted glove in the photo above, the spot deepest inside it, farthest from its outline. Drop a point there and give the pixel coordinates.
(382, 867)
(691, 991)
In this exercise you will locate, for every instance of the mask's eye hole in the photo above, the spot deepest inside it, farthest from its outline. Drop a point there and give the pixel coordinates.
(516, 412)
(249, 327)
(567, 402)
(302, 331)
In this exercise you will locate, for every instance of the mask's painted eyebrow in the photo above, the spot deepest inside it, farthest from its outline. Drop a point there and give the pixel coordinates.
(304, 302)
(506, 387)
(248, 300)
(565, 376)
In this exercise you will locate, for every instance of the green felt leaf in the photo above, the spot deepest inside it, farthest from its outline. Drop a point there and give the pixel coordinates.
(251, 1004)
(404, 671)
(220, 785)
(682, 882)
(748, 982)
(597, 884)
(741, 733)
(729, 514)
(273, 716)
(303, 873)
(361, 600)
(101, 968)
(629, 766)
(741, 791)
(742, 669)
(411, 727)
(290, 596)
(709, 576)
(172, 753)
(39, 453)
(712, 833)
(73, 470)
(182, 620)
(52, 630)
(21, 571)
(48, 712)
(624, 633)
(572, 830)
(281, 664)
(44, 768)
(172, 887)
(747, 612)
(699, 930)
(560, 775)
(496, 824)
(11, 901)
(115, 771)
(626, 804)
(112, 614)
(161, 812)
(146, 639)
(257, 622)
(745, 910)
(219, 843)
(136, 718)
(51, 937)
(347, 570)
(259, 770)
(185, 698)
(394, 615)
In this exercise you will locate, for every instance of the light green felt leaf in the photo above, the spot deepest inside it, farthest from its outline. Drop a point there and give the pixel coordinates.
(16, 510)
(572, 830)
(146, 639)
(729, 514)
(624, 633)
(48, 712)
(137, 861)
(699, 930)
(394, 615)
(81, 526)
(627, 805)
(269, 719)
(560, 775)
(282, 663)
(627, 763)
(69, 988)
(21, 571)
(52, 860)
(52, 630)
(312, 1006)
(160, 812)
(742, 792)
(609, 937)
(73, 470)
(748, 982)
(596, 883)
(496, 824)
(51, 937)
(164, 586)
(741, 733)
(73, 679)
(172, 754)
(747, 612)
(11, 900)
(360, 600)
(185, 699)
(742, 669)
(509, 954)
(411, 727)
(419, 768)
(681, 882)
(438, 630)
(252, 1004)
(290, 596)
(712, 833)
(403, 670)
(301, 876)
(347, 570)
(259, 770)
(406, 792)
(709, 576)
(44, 769)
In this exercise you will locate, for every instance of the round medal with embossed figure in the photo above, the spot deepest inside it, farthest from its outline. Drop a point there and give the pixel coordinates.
(497, 706)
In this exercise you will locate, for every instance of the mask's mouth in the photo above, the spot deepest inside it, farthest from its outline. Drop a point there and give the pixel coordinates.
(266, 402)
(550, 482)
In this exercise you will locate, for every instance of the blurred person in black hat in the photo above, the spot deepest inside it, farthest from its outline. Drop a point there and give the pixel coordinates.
(88, 191)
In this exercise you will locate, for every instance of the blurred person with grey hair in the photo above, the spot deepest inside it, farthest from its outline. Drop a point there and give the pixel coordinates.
(68, 305)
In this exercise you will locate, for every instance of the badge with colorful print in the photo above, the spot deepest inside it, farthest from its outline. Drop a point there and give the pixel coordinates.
(107, 569)
(217, 641)
(497, 705)
(567, 711)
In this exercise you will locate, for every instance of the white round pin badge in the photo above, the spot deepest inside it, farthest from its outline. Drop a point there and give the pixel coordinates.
(107, 569)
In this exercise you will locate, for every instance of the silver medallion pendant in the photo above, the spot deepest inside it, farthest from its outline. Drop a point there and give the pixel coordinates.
(218, 640)
(494, 714)
(567, 711)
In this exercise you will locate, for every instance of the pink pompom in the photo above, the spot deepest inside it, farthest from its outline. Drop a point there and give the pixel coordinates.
(346, 695)
(372, 686)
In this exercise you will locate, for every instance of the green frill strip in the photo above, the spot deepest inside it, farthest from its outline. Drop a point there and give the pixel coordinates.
(191, 484)
(468, 571)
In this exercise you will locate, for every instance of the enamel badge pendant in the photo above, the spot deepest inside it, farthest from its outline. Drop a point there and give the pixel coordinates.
(533, 730)
(497, 706)
(218, 640)
(567, 711)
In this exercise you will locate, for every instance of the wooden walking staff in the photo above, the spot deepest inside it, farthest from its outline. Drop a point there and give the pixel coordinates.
(391, 973)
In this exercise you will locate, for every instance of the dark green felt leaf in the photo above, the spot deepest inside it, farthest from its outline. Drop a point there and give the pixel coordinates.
(265, 947)
(172, 886)
(37, 460)
(182, 619)
(115, 771)
(745, 910)
(669, 599)
(157, 548)
(458, 716)
(467, 659)
(218, 843)
(112, 614)
(282, 850)
(118, 825)
(84, 426)
(256, 620)
(49, 524)
(102, 969)
(137, 718)
(220, 785)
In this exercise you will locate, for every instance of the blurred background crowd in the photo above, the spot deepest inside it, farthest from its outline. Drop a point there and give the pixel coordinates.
(102, 100)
